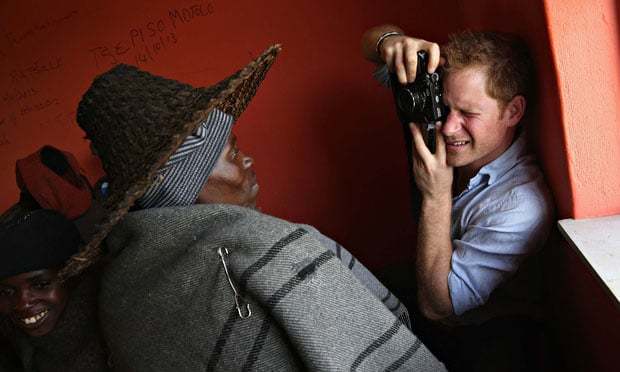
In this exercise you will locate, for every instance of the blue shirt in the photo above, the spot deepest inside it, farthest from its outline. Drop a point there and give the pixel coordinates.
(501, 218)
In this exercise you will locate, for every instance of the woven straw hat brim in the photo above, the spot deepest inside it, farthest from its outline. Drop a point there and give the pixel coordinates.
(136, 121)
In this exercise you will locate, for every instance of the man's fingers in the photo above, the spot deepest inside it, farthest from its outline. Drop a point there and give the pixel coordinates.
(399, 65)
(440, 149)
(410, 56)
(418, 139)
(433, 57)
(441, 142)
(401, 57)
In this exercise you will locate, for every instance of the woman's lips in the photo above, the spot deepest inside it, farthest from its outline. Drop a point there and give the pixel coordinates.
(33, 321)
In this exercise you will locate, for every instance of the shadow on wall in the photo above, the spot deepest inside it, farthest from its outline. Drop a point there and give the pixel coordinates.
(546, 131)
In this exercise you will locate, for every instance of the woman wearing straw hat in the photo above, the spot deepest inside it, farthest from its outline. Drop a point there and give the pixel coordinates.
(49, 324)
(200, 279)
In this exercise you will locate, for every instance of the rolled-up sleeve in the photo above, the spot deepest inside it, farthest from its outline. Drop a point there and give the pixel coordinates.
(382, 74)
(492, 248)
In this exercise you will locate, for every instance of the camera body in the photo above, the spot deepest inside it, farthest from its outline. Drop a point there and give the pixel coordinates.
(421, 102)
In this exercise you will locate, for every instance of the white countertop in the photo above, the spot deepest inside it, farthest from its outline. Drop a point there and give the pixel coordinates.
(598, 242)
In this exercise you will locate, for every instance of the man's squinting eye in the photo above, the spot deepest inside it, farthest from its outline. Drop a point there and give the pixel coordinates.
(6, 292)
(470, 114)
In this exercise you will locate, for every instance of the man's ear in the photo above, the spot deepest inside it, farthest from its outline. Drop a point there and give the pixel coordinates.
(514, 111)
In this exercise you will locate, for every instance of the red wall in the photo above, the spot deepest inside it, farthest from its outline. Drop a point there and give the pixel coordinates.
(323, 133)
(327, 144)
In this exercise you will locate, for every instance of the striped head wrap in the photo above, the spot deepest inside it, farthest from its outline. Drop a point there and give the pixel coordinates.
(180, 181)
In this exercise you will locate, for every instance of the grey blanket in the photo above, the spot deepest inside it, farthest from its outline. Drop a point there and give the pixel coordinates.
(167, 303)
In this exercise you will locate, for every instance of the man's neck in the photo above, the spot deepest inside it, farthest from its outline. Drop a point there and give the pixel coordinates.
(462, 176)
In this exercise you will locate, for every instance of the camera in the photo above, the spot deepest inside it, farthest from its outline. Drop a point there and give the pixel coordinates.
(421, 102)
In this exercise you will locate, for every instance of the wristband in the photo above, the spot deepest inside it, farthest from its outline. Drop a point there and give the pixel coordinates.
(383, 37)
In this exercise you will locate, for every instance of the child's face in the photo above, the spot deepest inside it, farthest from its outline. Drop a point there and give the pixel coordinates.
(33, 301)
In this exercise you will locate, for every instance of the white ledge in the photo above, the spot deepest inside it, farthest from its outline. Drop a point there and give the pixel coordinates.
(597, 240)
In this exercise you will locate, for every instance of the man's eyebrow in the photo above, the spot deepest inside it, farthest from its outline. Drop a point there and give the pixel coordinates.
(233, 139)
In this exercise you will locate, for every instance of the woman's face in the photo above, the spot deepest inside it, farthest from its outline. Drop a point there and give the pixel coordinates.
(33, 301)
(232, 180)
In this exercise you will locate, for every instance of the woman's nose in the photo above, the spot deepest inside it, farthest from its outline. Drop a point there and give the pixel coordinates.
(22, 301)
(248, 161)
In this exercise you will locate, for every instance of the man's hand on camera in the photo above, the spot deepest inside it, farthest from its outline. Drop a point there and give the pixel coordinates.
(400, 55)
(432, 174)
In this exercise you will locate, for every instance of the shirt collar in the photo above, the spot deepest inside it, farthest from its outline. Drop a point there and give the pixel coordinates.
(504, 162)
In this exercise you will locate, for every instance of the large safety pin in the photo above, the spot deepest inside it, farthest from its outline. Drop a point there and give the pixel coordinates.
(239, 301)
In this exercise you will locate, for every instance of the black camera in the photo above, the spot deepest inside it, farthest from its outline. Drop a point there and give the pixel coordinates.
(421, 102)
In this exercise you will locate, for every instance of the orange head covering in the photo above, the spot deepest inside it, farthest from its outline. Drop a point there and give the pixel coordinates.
(53, 179)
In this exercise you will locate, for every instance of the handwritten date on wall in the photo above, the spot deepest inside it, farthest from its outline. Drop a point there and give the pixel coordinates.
(146, 42)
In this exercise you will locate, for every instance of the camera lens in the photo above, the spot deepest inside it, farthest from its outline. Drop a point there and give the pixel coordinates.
(412, 101)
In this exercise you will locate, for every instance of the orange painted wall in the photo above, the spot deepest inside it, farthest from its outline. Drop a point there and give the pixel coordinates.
(585, 42)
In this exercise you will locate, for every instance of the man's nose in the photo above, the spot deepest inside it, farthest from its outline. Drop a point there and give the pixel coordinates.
(452, 124)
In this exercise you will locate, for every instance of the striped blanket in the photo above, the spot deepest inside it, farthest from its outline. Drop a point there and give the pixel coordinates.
(214, 287)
